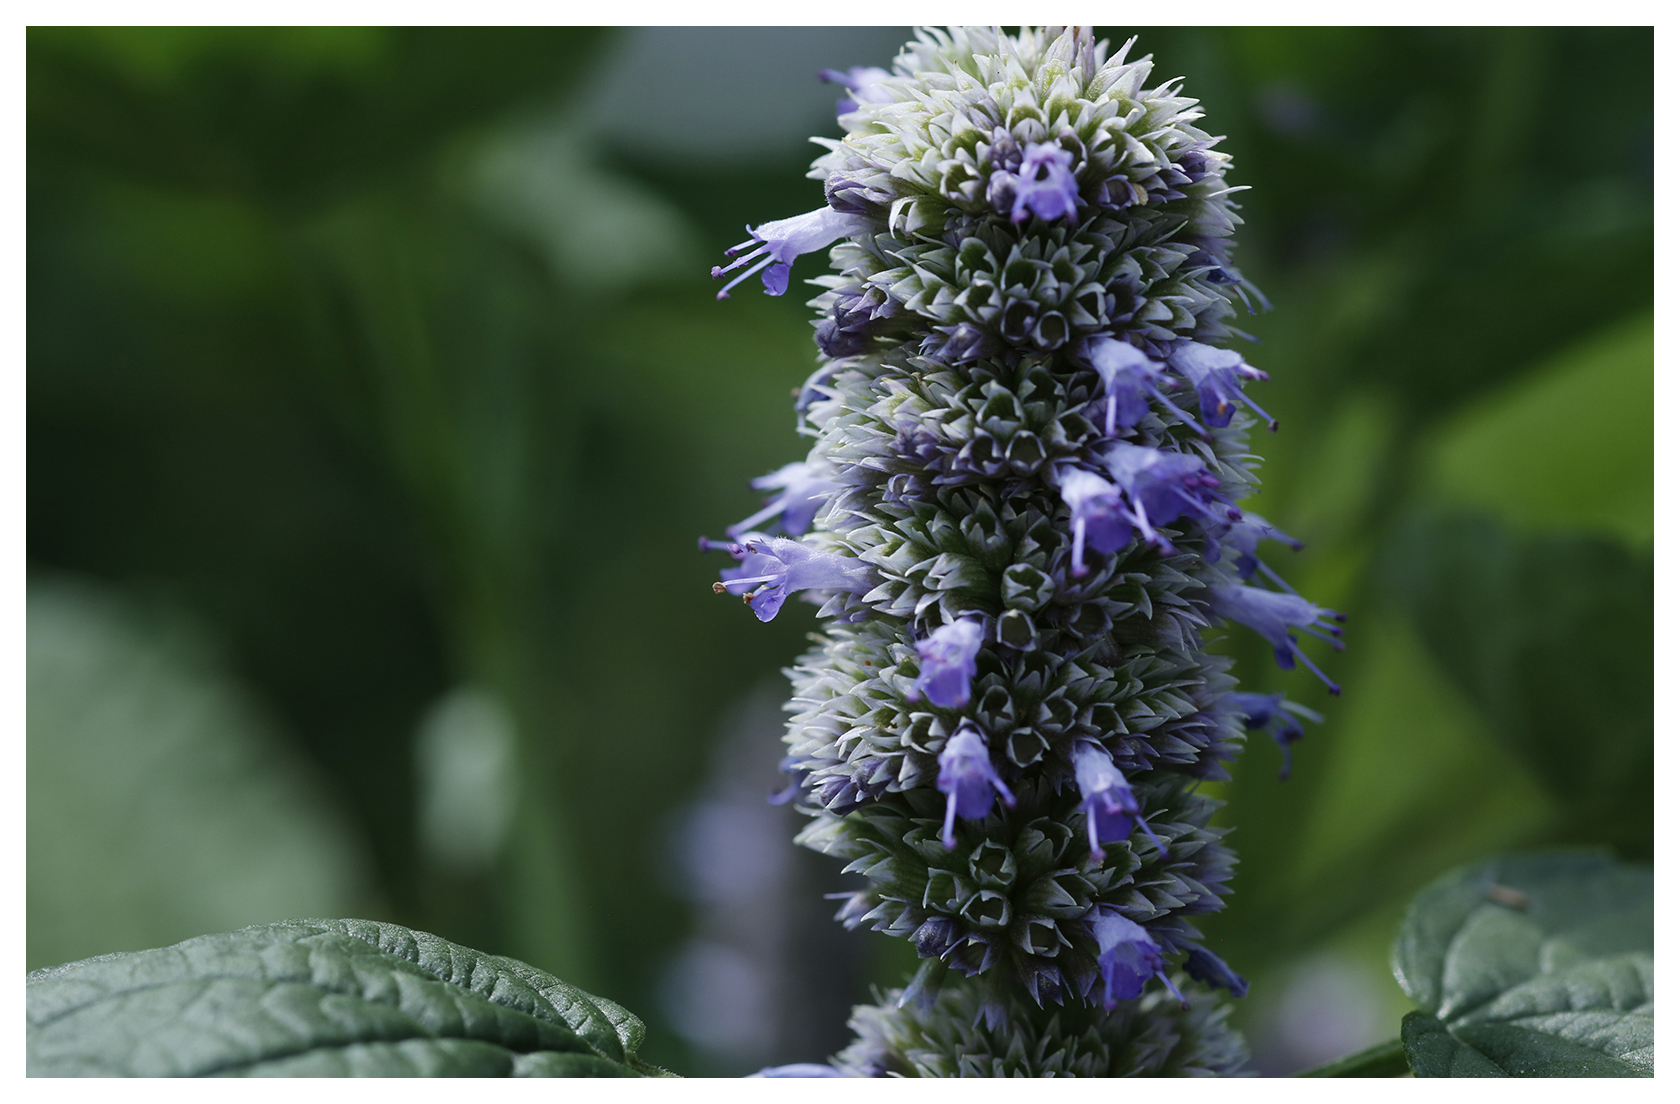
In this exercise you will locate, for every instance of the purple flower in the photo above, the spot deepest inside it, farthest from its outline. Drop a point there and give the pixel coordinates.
(1272, 615)
(1131, 379)
(1098, 515)
(799, 1069)
(1276, 717)
(1217, 376)
(774, 567)
(795, 770)
(858, 313)
(955, 344)
(1163, 486)
(803, 492)
(1126, 956)
(1208, 968)
(1042, 186)
(1110, 808)
(864, 83)
(1245, 537)
(773, 246)
(967, 779)
(948, 663)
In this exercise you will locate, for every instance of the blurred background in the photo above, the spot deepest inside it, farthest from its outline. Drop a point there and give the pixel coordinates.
(377, 395)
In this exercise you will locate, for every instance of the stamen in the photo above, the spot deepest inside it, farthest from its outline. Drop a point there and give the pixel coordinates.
(718, 270)
(776, 506)
(1150, 832)
(1201, 431)
(1324, 636)
(1302, 711)
(1334, 689)
(745, 582)
(1274, 576)
(763, 262)
(1165, 980)
(1271, 422)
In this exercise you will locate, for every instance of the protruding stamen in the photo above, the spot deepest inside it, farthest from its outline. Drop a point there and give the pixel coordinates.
(1271, 422)
(1335, 689)
(763, 262)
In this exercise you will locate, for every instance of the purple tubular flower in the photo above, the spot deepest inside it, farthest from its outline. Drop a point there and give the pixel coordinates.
(1127, 957)
(967, 779)
(864, 83)
(790, 766)
(1217, 376)
(1276, 717)
(799, 1069)
(1272, 615)
(1245, 537)
(774, 567)
(1044, 185)
(955, 344)
(1208, 968)
(1163, 486)
(773, 246)
(1131, 380)
(858, 314)
(803, 490)
(1099, 517)
(1110, 808)
(948, 663)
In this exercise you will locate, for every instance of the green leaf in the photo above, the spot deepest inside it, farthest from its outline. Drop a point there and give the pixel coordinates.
(337, 998)
(1530, 966)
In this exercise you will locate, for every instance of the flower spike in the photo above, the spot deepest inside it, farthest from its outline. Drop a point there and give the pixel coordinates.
(1021, 509)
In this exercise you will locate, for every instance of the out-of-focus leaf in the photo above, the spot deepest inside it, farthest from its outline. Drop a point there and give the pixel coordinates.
(1530, 966)
(1568, 446)
(328, 998)
(1551, 637)
(160, 802)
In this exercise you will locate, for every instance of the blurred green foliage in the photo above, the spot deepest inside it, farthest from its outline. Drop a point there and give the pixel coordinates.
(356, 345)
(160, 795)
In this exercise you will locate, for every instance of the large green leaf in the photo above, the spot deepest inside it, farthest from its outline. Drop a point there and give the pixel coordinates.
(334, 998)
(1530, 966)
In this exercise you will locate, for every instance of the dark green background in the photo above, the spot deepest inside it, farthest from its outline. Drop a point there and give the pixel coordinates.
(361, 370)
